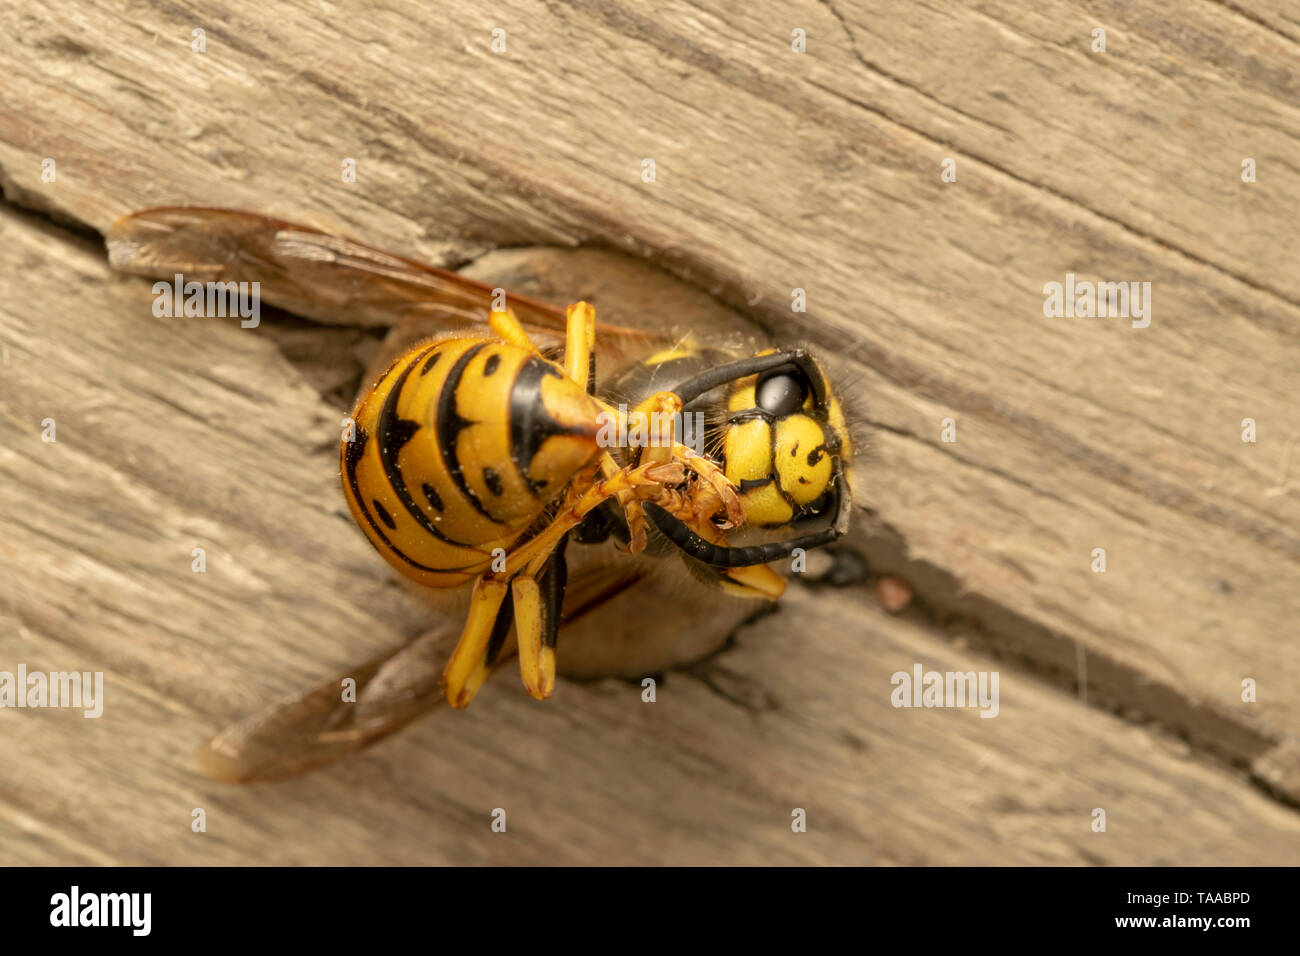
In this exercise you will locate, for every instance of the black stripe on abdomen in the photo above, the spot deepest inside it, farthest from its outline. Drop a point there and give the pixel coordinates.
(450, 425)
(393, 433)
(351, 459)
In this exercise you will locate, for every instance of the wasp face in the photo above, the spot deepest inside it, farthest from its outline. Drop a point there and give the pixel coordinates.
(782, 447)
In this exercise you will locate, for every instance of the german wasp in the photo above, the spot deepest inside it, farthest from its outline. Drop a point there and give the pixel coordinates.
(497, 431)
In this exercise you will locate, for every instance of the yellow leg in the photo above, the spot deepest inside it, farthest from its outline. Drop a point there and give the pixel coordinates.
(637, 525)
(506, 324)
(536, 657)
(468, 667)
(717, 480)
(536, 662)
(660, 410)
(648, 475)
(579, 342)
(757, 580)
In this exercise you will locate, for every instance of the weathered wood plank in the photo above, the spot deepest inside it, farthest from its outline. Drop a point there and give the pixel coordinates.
(97, 555)
(775, 170)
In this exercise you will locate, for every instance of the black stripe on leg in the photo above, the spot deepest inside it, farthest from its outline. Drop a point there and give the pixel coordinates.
(500, 628)
(552, 585)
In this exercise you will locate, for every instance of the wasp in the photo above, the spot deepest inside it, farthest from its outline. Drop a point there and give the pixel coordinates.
(492, 432)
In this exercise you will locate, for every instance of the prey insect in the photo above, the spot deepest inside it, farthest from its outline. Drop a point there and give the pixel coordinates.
(479, 449)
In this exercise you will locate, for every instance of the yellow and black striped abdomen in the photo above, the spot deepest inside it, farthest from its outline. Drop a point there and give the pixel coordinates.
(457, 449)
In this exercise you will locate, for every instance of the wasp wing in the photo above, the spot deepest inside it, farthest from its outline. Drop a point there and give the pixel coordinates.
(319, 726)
(605, 633)
(313, 273)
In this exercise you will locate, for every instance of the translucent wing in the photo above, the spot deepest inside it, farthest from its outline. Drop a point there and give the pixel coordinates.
(312, 273)
(318, 727)
(610, 600)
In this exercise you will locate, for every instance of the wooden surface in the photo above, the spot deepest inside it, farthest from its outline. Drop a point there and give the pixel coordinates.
(775, 170)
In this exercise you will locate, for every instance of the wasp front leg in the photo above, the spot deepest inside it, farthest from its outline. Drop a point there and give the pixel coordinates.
(660, 411)
(724, 490)
(580, 366)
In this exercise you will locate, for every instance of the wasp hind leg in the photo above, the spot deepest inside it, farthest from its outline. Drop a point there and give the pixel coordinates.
(481, 642)
(579, 344)
(538, 603)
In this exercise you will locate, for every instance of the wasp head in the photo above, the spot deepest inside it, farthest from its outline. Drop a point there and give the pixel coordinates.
(784, 444)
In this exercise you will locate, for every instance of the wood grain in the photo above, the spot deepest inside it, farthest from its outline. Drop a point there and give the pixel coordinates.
(775, 171)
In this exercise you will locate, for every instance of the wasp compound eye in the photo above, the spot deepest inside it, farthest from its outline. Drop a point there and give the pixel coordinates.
(781, 393)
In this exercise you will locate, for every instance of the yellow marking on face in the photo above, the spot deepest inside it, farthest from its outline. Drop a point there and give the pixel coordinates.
(803, 463)
(747, 449)
(742, 397)
(765, 506)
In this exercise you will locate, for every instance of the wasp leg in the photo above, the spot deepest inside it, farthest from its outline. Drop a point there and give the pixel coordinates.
(661, 411)
(579, 505)
(755, 580)
(506, 325)
(485, 626)
(637, 523)
(580, 344)
(717, 480)
(580, 366)
(537, 606)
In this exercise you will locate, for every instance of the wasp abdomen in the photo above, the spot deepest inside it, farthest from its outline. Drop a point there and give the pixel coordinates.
(457, 449)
